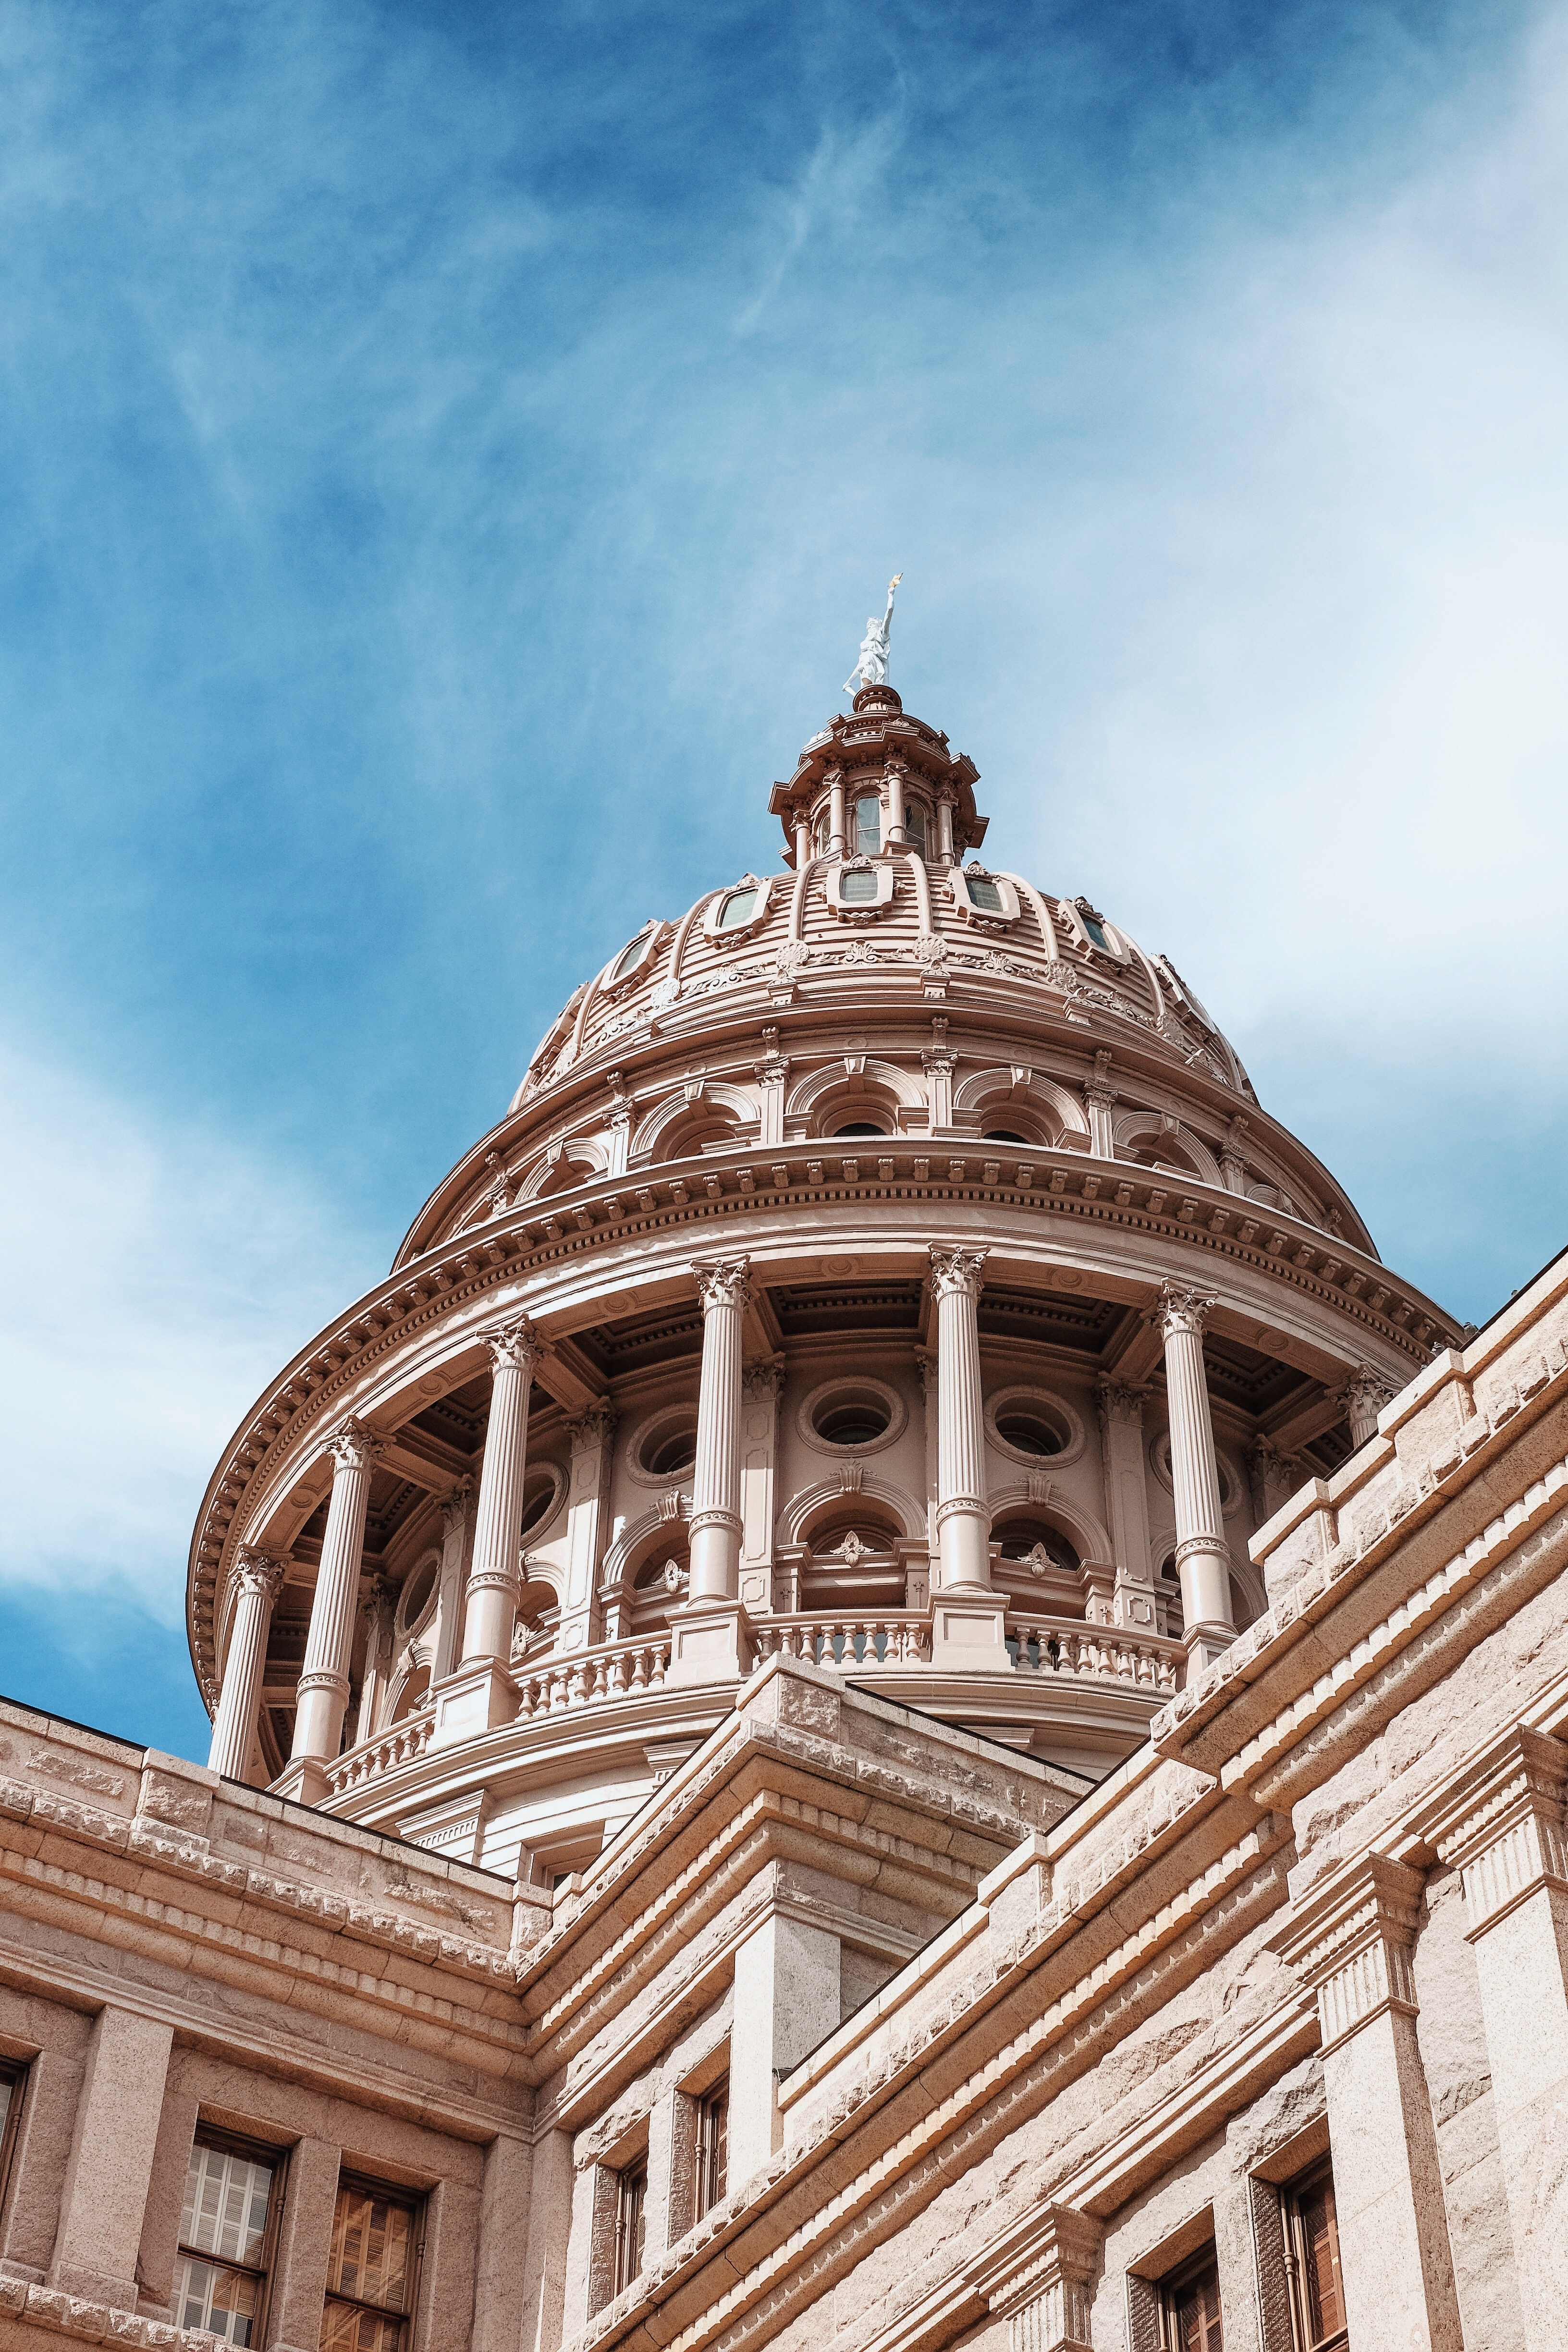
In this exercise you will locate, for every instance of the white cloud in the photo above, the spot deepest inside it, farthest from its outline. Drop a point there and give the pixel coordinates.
(158, 1277)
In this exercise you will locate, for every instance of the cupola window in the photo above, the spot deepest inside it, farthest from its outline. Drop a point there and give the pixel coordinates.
(867, 825)
(858, 885)
(737, 910)
(630, 956)
(984, 894)
(1096, 930)
(915, 827)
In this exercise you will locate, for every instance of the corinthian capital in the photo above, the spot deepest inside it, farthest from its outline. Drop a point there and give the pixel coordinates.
(955, 1271)
(454, 1509)
(1121, 1401)
(722, 1282)
(258, 1571)
(514, 1345)
(1183, 1310)
(354, 1445)
(1366, 1392)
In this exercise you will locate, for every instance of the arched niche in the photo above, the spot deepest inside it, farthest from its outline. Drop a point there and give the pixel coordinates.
(1034, 1108)
(563, 1166)
(1152, 1139)
(813, 1507)
(878, 1095)
(714, 1118)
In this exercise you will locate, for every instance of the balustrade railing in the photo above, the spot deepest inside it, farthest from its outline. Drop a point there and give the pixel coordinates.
(1066, 1647)
(614, 1670)
(853, 1641)
(401, 1745)
(892, 1639)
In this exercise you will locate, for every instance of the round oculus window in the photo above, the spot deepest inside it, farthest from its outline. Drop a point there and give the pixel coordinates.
(1027, 1433)
(860, 1420)
(671, 1456)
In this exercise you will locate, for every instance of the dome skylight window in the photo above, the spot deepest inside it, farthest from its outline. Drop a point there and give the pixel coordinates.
(634, 953)
(737, 910)
(859, 886)
(984, 894)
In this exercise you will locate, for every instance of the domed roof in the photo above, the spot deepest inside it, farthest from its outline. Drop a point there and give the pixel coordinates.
(882, 932)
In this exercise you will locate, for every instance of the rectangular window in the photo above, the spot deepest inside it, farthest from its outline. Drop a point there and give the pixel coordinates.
(713, 2147)
(984, 895)
(1189, 2307)
(631, 2222)
(12, 2079)
(868, 825)
(857, 885)
(1096, 930)
(915, 827)
(1312, 2263)
(370, 2274)
(225, 2238)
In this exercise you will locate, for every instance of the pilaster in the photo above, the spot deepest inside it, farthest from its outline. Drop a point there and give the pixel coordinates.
(761, 1386)
(1042, 2281)
(592, 1437)
(1127, 1500)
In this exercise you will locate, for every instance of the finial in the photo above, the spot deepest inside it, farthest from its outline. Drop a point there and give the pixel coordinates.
(871, 669)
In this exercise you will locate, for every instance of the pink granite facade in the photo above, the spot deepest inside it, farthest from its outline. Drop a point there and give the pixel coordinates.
(889, 1695)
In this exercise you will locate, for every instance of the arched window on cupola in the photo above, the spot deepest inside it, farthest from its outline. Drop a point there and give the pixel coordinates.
(867, 825)
(915, 825)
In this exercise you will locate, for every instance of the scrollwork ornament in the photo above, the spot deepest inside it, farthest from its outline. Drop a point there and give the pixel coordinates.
(722, 1282)
(259, 1572)
(354, 1445)
(514, 1345)
(955, 1271)
(1182, 1311)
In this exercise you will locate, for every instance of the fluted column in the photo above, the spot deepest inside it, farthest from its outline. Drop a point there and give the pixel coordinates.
(324, 1683)
(1203, 1556)
(716, 1474)
(491, 1610)
(234, 1726)
(963, 1517)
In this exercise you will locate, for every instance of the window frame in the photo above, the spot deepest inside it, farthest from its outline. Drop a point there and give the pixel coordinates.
(413, 2201)
(738, 933)
(917, 813)
(1292, 2225)
(858, 846)
(16, 2072)
(1177, 2282)
(992, 919)
(859, 910)
(630, 2177)
(254, 2151)
(710, 2147)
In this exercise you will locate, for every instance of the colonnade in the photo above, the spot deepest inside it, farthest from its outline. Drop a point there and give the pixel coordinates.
(707, 1632)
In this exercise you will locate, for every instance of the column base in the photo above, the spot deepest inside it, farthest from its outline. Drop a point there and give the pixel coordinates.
(474, 1699)
(967, 1633)
(1204, 1645)
(707, 1642)
(304, 1780)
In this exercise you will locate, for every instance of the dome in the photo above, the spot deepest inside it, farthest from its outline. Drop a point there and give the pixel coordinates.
(889, 1263)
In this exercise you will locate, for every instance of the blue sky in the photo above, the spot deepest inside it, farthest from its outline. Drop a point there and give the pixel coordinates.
(449, 457)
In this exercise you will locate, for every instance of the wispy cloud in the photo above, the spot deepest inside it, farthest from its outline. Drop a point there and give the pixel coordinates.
(160, 1273)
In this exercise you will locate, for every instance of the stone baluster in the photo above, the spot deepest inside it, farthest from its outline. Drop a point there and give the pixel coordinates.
(323, 1688)
(706, 1631)
(491, 1610)
(1365, 1394)
(1501, 1827)
(259, 1578)
(968, 1613)
(1203, 1555)
(1351, 1941)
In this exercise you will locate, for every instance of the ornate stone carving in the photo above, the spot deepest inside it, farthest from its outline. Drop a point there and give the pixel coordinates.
(455, 1508)
(1121, 1401)
(1501, 1825)
(1183, 1310)
(354, 1445)
(260, 1572)
(1365, 1393)
(1351, 1942)
(517, 1344)
(762, 1383)
(722, 1282)
(593, 1427)
(956, 1270)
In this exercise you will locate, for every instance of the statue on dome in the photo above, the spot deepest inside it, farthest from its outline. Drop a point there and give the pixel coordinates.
(871, 669)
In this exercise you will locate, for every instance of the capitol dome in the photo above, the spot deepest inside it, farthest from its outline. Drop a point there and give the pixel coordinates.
(886, 1264)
